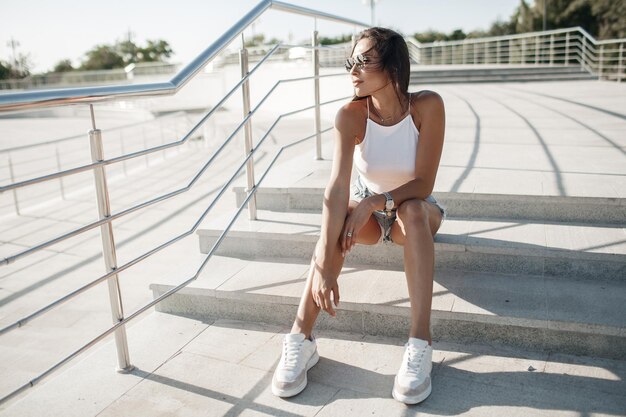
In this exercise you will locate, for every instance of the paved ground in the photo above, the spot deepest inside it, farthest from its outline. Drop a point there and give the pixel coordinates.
(563, 139)
(224, 368)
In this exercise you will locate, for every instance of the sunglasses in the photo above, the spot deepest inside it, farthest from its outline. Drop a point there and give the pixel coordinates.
(359, 60)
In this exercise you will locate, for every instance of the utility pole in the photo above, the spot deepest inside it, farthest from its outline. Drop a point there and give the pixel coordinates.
(371, 3)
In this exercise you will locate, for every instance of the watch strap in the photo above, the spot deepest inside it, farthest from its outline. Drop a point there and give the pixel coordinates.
(388, 198)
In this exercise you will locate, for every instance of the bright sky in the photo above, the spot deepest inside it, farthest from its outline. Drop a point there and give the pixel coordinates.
(54, 30)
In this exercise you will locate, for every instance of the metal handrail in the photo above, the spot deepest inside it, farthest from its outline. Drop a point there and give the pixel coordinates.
(174, 290)
(550, 47)
(43, 98)
(10, 259)
(67, 297)
(147, 151)
(75, 137)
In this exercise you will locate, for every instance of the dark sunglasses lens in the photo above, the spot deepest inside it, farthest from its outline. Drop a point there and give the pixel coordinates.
(349, 64)
(358, 60)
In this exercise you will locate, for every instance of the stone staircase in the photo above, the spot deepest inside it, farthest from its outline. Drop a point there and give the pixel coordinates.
(543, 273)
(446, 74)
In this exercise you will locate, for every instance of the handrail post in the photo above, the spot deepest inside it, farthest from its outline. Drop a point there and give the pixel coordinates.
(475, 50)
(463, 61)
(523, 58)
(245, 89)
(108, 249)
(537, 50)
(620, 65)
(58, 158)
(584, 53)
(316, 84)
(567, 48)
(12, 175)
(601, 63)
(497, 52)
(486, 53)
(510, 49)
(552, 49)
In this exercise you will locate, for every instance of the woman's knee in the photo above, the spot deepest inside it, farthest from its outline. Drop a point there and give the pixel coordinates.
(414, 212)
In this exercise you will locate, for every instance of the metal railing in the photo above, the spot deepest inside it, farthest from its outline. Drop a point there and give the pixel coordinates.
(573, 46)
(91, 95)
(34, 158)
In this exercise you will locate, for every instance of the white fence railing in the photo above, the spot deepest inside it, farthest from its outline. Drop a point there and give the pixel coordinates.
(573, 46)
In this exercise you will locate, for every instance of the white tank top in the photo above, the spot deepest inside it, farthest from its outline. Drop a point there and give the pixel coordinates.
(385, 159)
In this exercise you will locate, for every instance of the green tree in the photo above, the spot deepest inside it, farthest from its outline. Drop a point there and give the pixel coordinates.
(336, 40)
(126, 52)
(611, 18)
(102, 57)
(457, 35)
(430, 36)
(603, 19)
(154, 51)
(259, 39)
(20, 68)
(5, 71)
(64, 65)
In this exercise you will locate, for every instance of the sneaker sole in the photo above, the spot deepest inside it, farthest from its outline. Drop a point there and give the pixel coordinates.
(297, 390)
(411, 400)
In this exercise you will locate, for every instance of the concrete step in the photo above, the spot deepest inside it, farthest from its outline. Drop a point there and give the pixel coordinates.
(502, 73)
(523, 311)
(419, 79)
(447, 70)
(590, 210)
(224, 368)
(558, 250)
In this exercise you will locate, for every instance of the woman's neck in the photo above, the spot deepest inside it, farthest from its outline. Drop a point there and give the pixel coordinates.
(387, 105)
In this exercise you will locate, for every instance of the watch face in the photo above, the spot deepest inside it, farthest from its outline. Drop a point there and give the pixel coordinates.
(389, 204)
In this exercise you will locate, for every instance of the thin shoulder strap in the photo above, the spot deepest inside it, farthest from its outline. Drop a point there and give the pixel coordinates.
(367, 100)
(408, 110)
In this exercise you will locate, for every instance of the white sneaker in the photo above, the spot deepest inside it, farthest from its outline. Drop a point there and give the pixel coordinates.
(412, 384)
(299, 355)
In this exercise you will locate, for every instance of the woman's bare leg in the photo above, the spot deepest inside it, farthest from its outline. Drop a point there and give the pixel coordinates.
(418, 222)
(307, 309)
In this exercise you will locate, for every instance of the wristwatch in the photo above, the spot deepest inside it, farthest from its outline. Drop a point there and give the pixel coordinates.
(389, 203)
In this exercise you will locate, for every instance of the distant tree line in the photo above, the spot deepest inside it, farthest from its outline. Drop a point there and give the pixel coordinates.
(603, 19)
(119, 55)
(101, 57)
(259, 39)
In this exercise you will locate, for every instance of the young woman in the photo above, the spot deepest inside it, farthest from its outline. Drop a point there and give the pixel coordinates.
(394, 138)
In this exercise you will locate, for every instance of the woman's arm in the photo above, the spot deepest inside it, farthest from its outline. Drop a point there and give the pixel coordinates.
(325, 263)
(429, 148)
(337, 192)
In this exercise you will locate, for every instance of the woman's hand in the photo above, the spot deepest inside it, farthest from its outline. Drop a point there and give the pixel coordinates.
(321, 288)
(355, 222)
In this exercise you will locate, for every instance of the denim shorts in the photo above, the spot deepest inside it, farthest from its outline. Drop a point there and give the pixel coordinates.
(359, 191)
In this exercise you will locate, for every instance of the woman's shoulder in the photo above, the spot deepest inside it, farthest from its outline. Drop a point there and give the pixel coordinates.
(351, 115)
(426, 98)
(426, 104)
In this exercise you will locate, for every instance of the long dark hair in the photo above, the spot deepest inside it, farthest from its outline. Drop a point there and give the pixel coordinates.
(393, 55)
